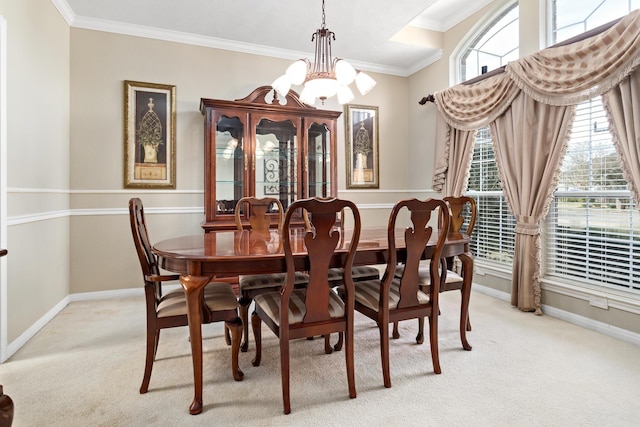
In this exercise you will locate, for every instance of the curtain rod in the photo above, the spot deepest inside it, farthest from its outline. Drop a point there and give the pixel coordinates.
(579, 37)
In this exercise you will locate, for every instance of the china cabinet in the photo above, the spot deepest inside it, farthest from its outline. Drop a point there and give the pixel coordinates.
(262, 145)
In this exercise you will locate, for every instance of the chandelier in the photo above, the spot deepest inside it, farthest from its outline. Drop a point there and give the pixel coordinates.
(326, 76)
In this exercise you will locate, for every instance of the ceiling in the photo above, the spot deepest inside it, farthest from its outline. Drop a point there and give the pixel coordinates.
(367, 31)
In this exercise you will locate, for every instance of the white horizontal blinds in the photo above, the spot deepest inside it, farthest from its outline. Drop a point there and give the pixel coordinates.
(493, 234)
(594, 225)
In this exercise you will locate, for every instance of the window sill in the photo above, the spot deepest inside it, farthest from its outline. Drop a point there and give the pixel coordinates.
(597, 296)
(600, 297)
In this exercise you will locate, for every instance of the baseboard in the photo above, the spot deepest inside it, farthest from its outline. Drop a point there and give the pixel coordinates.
(585, 322)
(603, 328)
(17, 344)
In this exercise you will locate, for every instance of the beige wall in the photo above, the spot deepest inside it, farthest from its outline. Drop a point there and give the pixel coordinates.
(100, 62)
(38, 161)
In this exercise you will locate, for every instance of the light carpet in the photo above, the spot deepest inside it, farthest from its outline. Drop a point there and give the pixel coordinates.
(84, 368)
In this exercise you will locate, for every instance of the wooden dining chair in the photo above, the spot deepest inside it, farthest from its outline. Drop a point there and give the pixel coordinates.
(463, 218)
(315, 309)
(169, 310)
(260, 221)
(394, 298)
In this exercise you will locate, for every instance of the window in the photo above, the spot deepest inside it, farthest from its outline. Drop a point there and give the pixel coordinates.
(495, 45)
(493, 235)
(593, 227)
(592, 232)
(570, 18)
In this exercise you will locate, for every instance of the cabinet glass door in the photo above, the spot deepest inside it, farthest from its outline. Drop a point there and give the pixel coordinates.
(319, 158)
(229, 164)
(275, 157)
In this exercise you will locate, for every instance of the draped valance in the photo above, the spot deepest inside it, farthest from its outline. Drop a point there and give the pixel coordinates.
(564, 75)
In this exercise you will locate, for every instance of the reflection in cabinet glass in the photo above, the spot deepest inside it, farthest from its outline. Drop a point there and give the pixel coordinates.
(256, 147)
(229, 165)
(275, 157)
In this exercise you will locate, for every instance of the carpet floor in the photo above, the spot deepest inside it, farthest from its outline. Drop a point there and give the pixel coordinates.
(84, 368)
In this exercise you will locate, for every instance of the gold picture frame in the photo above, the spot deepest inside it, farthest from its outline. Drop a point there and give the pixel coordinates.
(361, 128)
(149, 135)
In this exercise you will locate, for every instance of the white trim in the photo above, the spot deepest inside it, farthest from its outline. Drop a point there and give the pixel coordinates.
(613, 298)
(18, 190)
(199, 40)
(454, 70)
(42, 216)
(594, 325)
(65, 10)
(452, 20)
(503, 296)
(584, 322)
(425, 62)
(603, 328)
(378, 191)
(19, 342)
(46, 216)
(3, 187)
(118, 293)
(482, 268)
(35, 328)
(125, 211)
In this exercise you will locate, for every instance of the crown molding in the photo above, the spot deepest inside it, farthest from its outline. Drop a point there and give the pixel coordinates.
(425, 62)
(210, 42)
(65, 10)
(453, 20)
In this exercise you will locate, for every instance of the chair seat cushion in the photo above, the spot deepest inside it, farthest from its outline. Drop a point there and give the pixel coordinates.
(270, 304)
(367, 293)
(218, 296)
(266, 281)
(424, 273)
(359, 273)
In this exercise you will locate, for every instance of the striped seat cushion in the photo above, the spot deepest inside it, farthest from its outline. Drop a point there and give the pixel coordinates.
(424, 275)
(368, 294)
(266, 281)
(359, 273)
(270, 303)
(217, 295)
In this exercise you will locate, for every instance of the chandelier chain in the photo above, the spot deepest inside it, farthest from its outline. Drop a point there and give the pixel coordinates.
(323, 16)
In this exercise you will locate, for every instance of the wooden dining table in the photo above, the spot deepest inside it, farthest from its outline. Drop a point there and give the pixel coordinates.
(200, 258)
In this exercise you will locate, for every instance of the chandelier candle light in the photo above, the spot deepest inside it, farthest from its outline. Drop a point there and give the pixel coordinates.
(326, 77)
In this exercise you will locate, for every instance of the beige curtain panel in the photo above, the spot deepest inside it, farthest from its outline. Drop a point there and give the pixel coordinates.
(529, 109)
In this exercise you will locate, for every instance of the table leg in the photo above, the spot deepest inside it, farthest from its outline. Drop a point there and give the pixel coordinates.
(467, 279)
(194, 289)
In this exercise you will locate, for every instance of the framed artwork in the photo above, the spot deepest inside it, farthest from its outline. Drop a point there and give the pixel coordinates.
(362, 146)
(149, 135)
